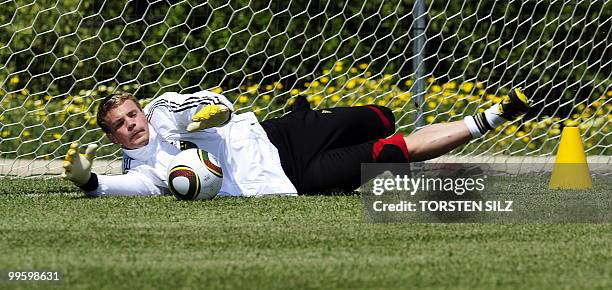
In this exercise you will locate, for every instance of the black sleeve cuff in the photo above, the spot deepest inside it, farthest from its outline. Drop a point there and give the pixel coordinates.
(229, 117)
(91, 184)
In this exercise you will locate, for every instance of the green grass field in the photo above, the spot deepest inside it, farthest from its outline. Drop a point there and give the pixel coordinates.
(281, 243)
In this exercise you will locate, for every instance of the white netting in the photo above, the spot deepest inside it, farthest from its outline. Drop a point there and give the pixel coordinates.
(58, 57)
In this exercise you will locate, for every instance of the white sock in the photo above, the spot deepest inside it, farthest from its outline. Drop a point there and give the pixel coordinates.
(492, 114)
(470, 122)
(481, 123)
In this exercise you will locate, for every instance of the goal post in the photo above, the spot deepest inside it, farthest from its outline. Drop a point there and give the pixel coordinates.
(428, 60)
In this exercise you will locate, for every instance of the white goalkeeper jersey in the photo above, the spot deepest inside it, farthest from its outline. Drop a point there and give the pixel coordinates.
(250, 162)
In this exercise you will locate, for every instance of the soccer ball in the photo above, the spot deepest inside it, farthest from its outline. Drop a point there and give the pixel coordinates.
(194, 174)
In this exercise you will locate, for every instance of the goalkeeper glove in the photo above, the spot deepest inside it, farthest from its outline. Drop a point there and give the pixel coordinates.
(77, 167)
(208, 117)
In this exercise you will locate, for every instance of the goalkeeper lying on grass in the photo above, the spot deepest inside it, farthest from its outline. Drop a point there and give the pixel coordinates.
(304, 151)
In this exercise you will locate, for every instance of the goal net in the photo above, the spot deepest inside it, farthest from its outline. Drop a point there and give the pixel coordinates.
(430, 61)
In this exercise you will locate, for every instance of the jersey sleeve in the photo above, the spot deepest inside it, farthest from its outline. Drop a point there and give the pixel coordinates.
(171, 112)
(132, 183)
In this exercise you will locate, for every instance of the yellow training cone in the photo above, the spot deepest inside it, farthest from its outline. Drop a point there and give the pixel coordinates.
(571, 170)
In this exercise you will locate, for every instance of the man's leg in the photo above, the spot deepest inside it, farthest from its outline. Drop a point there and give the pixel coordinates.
(438, 139)
(339, 169)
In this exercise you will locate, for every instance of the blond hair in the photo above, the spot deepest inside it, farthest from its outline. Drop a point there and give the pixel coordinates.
(111, 102)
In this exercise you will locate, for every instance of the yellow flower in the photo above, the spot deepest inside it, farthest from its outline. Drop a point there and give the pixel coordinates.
(217, 90)
(278, 85)
(350, 84)
(253, 89)
(353, 70)
(265, 98)
(431, 79)
(338, 68)
(257, 110)
(450, 85)
(467, 87)
(269, 87)
(26, 134)
(57, 136)
(405, 96)
(295, 92)
(325, 71)
(6, 133)
(363, 65)
(316, 99)
(243, 99)
(432, 105)
(436, 89)
(511, 129)
(408, 83)
(330, 90)
(531, 146)
(430, 119)
(325, 80)
(314, 84)
(571, 123)
(381, 102)
(335, 98)
(14, 80)
(609, 94)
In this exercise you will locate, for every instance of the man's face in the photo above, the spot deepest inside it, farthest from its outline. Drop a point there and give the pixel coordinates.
(128, 125)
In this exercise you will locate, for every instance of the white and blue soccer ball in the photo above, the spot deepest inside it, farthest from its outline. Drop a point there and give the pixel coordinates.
(194, 174)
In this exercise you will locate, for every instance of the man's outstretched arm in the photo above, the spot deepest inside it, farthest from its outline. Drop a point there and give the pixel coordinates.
(173, 113)
(77, 168)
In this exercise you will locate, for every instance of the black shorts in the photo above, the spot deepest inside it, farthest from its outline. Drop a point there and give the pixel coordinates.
(321, 151)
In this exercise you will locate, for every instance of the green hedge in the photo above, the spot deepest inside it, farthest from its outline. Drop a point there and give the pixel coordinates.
(61, 47)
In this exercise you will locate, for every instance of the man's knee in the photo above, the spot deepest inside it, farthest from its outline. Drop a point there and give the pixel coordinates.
(385, 116)
(390, 150)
